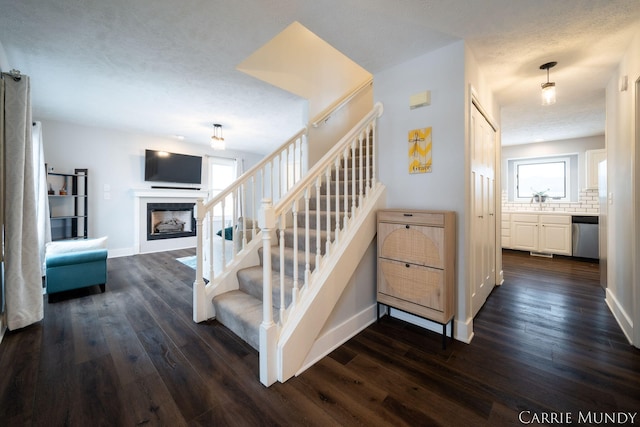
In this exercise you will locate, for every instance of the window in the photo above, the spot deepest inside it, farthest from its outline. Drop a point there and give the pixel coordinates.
(222, 172)
(550, 176)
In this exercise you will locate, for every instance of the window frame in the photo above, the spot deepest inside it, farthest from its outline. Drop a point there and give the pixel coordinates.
(542, 160)
(214, 190)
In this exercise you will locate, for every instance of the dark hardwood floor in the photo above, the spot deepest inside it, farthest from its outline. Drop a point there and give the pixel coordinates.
(544, 342)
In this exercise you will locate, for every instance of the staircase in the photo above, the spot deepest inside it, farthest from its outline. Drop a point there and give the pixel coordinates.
(304, 254)
(241, 310)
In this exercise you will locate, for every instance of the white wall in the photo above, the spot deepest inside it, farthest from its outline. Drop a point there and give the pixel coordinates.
(4, 62)
(326, 135)
(623, 169)
(115, 159)
(449, 73)
(443, 73)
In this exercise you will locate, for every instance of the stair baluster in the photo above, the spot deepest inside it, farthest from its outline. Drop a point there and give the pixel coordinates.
(302, 308)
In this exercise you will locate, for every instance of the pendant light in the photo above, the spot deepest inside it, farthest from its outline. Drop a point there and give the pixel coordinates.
(217, 141)
(548, 88)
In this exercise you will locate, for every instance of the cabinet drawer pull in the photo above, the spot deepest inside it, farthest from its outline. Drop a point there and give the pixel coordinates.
(407, 226)
(407, 265)
(408, 214)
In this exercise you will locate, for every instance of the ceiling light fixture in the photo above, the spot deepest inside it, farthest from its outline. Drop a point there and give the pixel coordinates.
(217, 141)
(548, 88)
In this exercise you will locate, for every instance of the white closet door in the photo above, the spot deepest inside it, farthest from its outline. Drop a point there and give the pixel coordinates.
(483, 218)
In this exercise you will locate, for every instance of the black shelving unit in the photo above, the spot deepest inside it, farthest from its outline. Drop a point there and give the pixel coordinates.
(68, 204)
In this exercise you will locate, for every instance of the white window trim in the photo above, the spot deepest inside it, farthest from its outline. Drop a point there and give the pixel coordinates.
(533, 160)
(214, 191)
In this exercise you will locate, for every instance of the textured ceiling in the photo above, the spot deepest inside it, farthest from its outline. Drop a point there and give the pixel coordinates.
(168, 68)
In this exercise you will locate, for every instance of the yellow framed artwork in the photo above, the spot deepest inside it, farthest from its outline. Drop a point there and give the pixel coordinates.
(420, 150)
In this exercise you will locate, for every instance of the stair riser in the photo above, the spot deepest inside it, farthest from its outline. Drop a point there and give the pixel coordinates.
(350, 189)
(364, 150)
(313, 220)
(289, 239)
(250, 281)
(340, 174)
(348, 163)
(322, 204)
(288, 263)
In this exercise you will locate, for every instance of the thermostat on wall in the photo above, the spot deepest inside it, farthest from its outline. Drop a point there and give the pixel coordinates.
(420, 100)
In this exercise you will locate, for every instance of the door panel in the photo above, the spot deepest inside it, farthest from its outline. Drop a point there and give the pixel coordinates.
(483, 218)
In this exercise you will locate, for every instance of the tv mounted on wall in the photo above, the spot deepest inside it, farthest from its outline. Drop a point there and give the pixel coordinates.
(162, 166)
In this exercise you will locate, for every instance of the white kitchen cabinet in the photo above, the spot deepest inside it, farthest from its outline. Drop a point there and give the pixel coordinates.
(555, 234)
(593, 158)
(524, 232)
(549, 234)
(505, 230)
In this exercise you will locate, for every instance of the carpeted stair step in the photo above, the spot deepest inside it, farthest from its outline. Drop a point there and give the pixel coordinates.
(313, 219)
(288, 260)
(332, 188)
(364, 149)
(359, 160)
(250, 280)
(242, 313)
(322, 203)
(340, 173)
(289, 238)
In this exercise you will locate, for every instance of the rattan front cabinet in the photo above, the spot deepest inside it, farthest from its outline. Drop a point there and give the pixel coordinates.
(416, 262)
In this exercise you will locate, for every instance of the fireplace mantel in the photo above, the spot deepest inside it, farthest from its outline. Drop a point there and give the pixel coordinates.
(169, 193)
(142, 197)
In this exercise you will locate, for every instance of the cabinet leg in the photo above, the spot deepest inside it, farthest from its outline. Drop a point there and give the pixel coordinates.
(444, 336)
(444, 333)
(452, 323)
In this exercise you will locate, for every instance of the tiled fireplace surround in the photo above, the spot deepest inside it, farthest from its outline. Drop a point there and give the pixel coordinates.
(146, 196)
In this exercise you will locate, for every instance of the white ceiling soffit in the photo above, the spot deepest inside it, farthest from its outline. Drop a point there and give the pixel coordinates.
(163, 67)
(300, 62)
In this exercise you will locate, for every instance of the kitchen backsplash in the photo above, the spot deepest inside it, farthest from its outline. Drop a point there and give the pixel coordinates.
(588, 203)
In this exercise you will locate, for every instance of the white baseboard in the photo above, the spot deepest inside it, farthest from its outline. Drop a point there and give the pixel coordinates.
(621, 316)
(463, 330)
(338, 335)
(117, 253)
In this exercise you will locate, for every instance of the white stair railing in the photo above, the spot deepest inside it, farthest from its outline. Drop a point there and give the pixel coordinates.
(237, 206)
(341, 179)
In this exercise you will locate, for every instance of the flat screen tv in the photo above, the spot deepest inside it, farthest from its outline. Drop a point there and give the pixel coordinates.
(162, 166)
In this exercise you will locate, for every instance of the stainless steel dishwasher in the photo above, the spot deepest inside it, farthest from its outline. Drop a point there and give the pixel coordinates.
(584, 230)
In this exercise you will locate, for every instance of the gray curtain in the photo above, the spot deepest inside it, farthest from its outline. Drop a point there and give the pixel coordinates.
(23, 281)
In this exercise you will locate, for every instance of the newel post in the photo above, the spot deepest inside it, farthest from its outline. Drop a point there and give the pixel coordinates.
(200, 309)
(268, 329)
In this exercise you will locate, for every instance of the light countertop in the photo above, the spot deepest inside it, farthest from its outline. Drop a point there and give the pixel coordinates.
(549, 212)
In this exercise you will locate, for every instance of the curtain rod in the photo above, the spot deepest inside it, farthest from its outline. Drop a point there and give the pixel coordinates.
(14, 74)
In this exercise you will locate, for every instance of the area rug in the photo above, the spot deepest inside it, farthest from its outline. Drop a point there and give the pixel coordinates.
(217, 255)
(189, 261)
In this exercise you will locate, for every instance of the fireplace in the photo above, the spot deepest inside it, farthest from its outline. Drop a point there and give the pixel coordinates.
(170, 220)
